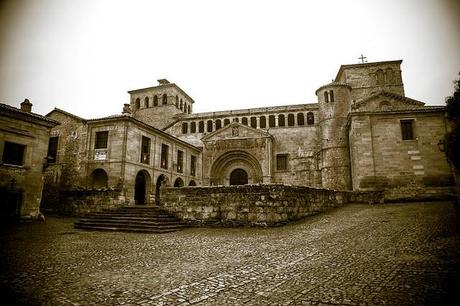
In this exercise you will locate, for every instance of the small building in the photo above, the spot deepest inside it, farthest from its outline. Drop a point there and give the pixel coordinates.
(24, 138)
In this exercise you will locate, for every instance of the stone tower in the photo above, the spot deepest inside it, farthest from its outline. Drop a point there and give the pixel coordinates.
(161, 105)
(334, 101)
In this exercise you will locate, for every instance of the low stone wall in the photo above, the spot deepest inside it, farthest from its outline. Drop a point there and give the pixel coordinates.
(257, 205)
(79, 202)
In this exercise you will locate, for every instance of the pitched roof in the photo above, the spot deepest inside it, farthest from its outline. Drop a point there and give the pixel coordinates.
(394, 96)
(58, 110)
(162, 86)
(12, 111)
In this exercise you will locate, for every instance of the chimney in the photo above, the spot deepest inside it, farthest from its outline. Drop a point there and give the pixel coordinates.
(26, 106)
(163, 82)
(126, 109)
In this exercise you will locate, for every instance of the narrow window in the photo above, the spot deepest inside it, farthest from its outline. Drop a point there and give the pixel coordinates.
(52, 150)
(184, 128)
(331, 95)
(291, 120)
(244, 121)
(226, 122)
(13, 153)
(281, 162)
(389, 76)
(218, 124)
(146, 102)
(271, 121)
(192, 165)
(263, 122)
(145, 150)
(193, 127)
(180, 161)
(407, 129)
(138, 103)
(310, 118)
(164, 156)
(236, 120)
(281, 120)
(201, 127)
(209, 126)
(253, 122)
(177, 101)
(300, 119)
(181, 105)
(326, 96)
(165, 99)
(380, 75)
(189, 110)
(155, 100)
(101, 140)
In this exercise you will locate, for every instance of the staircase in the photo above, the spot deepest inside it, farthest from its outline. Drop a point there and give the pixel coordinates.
(140, 219)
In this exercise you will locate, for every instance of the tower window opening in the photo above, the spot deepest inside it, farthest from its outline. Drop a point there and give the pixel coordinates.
(271, 121)
(165, 99)
(244, 121)
(184, 128)
(326, 97)
(146, 102)
(300, 119)
(155, 100)
(310, 118)
(193, 127)
(209, 126)
(253, 122)
(226, 121)
(291, 120)
(218, 124)
(138, 103)
(263, 122)
(281, 120)
(201, 127)
(331, 95)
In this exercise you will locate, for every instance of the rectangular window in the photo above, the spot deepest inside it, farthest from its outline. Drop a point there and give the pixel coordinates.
(13, 153)
(101, 140)
(407, 129)
(180, 161)
(192, 165)
(281, 162)
(164, 156)
(145, 150)
(52, 150)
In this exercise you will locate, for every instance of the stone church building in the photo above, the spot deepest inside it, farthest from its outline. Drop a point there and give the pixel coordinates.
(361, 134)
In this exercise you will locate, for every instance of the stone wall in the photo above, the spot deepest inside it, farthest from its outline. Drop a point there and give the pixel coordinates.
(79, 202)
(255, 205)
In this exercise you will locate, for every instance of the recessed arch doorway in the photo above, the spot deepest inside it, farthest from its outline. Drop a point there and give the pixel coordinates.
(141, 188)
(162, 180)
(238, 177)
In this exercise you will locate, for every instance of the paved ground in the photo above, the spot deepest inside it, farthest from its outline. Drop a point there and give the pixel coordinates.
(393, 254)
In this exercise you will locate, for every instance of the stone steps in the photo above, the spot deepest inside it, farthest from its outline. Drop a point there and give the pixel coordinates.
(143, 219)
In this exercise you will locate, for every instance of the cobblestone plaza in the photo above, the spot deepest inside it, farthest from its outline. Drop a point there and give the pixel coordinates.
(394, 254)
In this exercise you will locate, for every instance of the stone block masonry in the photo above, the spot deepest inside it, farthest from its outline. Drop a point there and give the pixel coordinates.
(255, 205)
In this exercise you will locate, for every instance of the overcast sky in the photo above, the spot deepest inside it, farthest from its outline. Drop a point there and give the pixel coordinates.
(84, 55)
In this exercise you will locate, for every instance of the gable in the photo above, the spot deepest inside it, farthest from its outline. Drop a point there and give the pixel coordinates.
(235, 130)
(386, 101)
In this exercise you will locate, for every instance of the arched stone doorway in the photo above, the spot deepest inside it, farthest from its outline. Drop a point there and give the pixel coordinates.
(141, 188)
(227, 163)
(99, 179)
(178, 182)
(238, 177)
(192, 183)
(162, 180)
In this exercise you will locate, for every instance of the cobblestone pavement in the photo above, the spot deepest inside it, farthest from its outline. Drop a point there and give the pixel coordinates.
(394, 254)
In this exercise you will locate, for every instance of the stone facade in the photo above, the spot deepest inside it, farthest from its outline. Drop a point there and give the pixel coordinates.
(23, 146)
(361, 134)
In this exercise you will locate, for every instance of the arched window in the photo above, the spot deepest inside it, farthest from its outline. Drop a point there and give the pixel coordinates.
(244, 121)
(271, 121)
(181, 105)
(209, 126)
(331, 95)
(326, 96)
(263, 122)
(192, 183)
(226, 122)
(146, 101)
(138, 103)
(291, 120)
(281, 120)
(177, 101)
(236, 120)
(310, 118)
(155, 100)
(165, 99)
(200, 127)
(178, 182)
(384, 105)
(389, 76)
(380, 77)
(300, 119)
(184, 128)
(193, 127)
(189, 109)
(254, 122)
(218, 124)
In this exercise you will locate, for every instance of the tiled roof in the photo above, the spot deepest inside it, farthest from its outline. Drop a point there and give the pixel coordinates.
(5, 109)
(389, 95)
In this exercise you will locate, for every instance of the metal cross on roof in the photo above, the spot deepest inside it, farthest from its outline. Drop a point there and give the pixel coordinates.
(363, 59)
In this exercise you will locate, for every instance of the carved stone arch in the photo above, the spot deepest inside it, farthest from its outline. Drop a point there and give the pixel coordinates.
(223, 166)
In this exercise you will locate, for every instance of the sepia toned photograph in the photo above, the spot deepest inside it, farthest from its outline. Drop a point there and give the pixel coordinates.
(229, 152)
